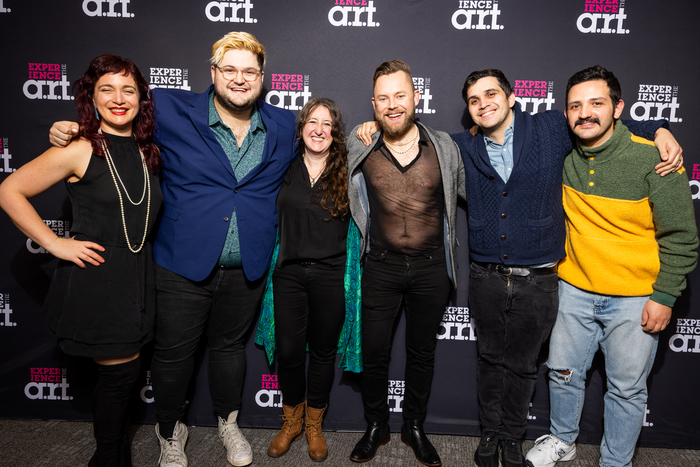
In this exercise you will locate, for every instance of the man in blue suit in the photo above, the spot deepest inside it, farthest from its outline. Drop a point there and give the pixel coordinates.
(224, 153)
(224, 156)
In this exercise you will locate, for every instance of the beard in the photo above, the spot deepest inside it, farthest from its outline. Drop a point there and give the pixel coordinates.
(393, 131)
(228, 104)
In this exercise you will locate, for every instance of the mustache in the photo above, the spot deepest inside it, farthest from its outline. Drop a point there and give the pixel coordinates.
(583, 121)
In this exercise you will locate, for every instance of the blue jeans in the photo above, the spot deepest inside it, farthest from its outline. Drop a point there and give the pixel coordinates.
(585, 322)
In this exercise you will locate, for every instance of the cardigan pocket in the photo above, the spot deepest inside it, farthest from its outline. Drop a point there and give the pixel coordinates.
(541, 232)
(477, 237)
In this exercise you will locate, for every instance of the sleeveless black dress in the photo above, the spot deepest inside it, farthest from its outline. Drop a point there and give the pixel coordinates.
(107, 310)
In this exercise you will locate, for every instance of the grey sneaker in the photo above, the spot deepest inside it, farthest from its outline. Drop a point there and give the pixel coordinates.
(549, 450)
(238, 451)
(172, 450)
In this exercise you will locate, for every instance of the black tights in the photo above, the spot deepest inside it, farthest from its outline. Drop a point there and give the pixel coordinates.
(110, 403)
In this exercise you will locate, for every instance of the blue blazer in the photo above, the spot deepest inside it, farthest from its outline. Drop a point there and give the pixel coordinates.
(200, 190)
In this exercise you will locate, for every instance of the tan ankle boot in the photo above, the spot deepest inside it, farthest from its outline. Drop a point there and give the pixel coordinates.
(291, 430)
(318, 450)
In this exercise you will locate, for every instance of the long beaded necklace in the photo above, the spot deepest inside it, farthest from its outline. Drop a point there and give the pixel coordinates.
(415, 138)
(146, 187)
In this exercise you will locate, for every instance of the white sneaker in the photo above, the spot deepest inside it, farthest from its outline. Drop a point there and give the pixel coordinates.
(238, 450)
(549, 450)
(172, 450)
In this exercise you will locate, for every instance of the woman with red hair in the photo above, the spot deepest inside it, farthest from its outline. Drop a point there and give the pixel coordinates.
(101, 302)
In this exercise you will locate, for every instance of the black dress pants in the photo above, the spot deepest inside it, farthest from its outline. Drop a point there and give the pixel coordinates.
(222, 306)
(309, 308)
(421, 286)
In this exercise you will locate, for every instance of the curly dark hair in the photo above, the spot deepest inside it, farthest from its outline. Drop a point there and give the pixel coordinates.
(144, 124)
(333, 182)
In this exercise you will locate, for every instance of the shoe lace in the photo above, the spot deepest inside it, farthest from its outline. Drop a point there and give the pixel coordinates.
(512, 448)
(172, 451)
(233, 436)
(313, 428)
(288, 422)
(487, 441)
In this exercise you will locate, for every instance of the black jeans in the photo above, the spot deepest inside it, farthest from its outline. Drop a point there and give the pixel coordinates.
(513, 317)
(421, 285)
(309, 307)
(223, 305)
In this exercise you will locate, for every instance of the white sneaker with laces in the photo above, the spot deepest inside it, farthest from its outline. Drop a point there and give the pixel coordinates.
(549, 450)
(238, 451)
(172, 450)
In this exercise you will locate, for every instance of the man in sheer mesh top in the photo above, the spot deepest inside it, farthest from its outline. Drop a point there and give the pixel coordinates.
(408, 179)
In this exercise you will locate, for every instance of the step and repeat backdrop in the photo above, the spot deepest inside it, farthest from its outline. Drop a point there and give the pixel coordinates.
(330, 48)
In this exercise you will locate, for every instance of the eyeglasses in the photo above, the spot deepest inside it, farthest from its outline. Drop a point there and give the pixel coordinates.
(229, 73)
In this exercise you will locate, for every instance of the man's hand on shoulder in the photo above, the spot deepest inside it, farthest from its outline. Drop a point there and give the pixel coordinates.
(655, 316)
(61, 133)
(670, 151)
(366, 130)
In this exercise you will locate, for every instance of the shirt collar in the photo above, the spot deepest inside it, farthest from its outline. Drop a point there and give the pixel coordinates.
(506, 139)
(214, 117)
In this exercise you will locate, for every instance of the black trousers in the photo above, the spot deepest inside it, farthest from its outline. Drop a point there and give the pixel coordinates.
(513, 316)
(223, 306)
(421, 286)
(309, 307)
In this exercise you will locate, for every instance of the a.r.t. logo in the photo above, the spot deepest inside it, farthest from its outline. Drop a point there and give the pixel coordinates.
(47, 81)
(477, 14)
(602, 17)
(107, 8)
(6, 311)
(358, 13)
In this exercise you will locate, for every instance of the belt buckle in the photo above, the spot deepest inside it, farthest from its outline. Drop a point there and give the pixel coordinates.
(501, 270)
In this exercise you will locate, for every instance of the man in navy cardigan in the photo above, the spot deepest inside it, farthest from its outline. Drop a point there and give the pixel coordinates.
(225, 153)
(516, 224)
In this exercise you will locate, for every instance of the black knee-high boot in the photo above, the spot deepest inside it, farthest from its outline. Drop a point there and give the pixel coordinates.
(110, 403)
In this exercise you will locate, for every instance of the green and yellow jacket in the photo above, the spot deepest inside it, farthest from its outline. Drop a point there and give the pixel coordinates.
(630, 232)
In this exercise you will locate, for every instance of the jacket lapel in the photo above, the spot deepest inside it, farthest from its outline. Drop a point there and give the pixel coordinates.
(199, 113)
(270, 141)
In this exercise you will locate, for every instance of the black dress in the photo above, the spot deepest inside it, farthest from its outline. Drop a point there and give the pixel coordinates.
(107, 310)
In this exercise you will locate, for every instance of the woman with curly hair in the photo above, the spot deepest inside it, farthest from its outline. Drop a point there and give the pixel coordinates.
(101, 301)
(313, 290)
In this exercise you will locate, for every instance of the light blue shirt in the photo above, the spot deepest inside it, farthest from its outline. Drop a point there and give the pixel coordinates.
(501, 155)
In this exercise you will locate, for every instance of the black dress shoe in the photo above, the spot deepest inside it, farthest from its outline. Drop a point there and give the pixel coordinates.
(486, 455)
(512, 453)
(413, 435)
(377, 434)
